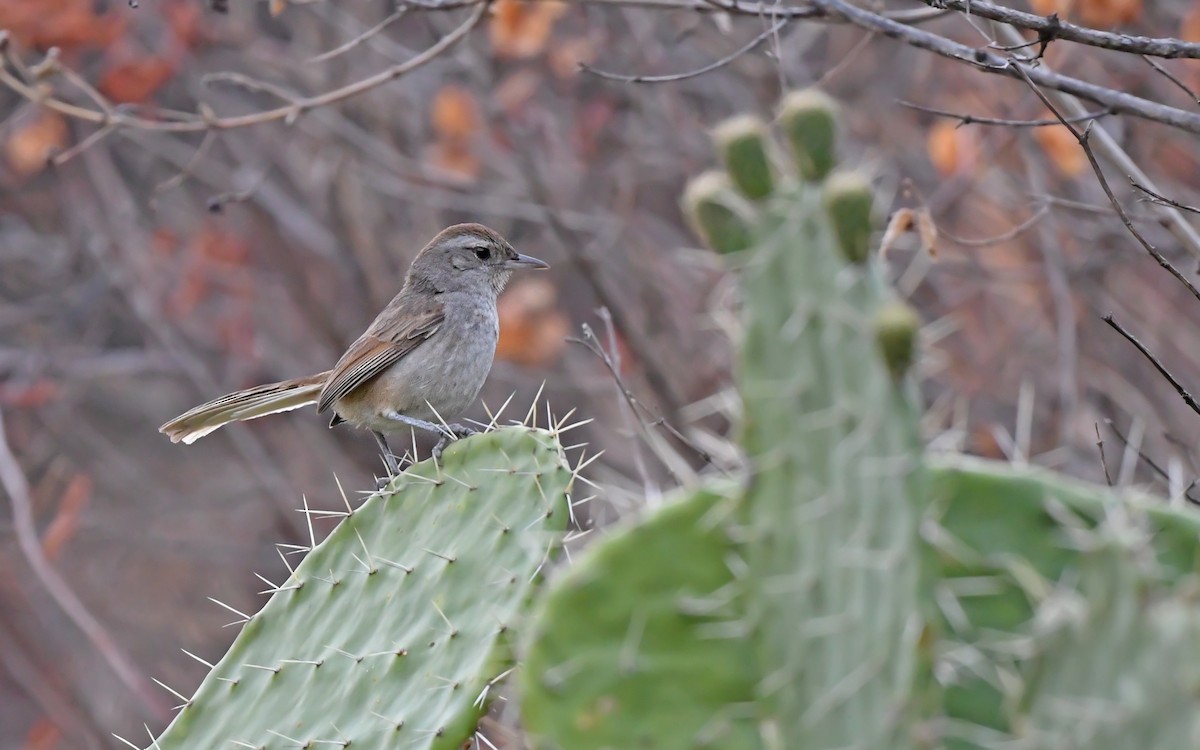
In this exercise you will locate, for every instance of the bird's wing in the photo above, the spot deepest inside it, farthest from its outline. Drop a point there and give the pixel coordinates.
(397, 331)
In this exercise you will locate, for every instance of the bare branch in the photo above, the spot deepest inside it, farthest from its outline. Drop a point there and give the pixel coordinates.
(1052, 27)
(1082, 138)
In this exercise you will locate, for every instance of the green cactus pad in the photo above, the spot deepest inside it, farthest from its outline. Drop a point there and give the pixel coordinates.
(718, 215)
(896, 328)
(742, 144)
(1070, 612)
(389, 630)
(639, 645)
(809, 122)
(848, 199)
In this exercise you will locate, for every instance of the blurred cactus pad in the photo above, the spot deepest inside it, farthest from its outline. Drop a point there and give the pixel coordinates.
(389, 633)
(853, 591)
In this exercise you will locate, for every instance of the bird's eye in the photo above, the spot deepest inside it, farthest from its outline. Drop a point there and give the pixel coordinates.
(483, 253)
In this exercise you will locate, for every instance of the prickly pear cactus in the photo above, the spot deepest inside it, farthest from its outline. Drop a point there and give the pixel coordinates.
(388, 632)
(856, 593)
(1069, 613)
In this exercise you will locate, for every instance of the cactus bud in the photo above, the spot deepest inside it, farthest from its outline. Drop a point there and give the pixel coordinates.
(717, 213)
(848, 202)
(742, 143)
(809, 121)
(896, 326)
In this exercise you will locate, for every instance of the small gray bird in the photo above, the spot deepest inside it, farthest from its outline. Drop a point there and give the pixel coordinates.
(421, 362)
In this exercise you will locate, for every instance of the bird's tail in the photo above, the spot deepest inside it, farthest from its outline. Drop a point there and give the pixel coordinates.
(243, 405)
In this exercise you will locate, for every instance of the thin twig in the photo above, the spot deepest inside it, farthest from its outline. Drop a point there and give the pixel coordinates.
(1162, 199)
(691, 73)
(1171, 77)
(16, 486)
(977, 120)
(1103, 461)
(1162, 370)
(655, 420)
(1152, 464)
(374, 30)
(997, 239)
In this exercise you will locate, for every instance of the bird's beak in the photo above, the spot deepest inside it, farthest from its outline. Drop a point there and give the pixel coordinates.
(526, 261)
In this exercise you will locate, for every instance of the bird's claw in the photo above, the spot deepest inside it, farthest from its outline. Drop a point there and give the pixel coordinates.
(455, 431)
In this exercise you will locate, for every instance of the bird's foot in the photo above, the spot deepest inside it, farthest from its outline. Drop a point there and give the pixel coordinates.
(455, 431)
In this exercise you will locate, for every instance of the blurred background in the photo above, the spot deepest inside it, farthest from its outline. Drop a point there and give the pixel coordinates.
(153, 264)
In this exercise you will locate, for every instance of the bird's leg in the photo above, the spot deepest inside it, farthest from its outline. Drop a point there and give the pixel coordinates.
(388, 457)
(447, 431)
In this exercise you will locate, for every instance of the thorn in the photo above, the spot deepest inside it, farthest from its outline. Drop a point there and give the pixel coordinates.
(312, 537)
(302, 661)
(368, 569)
(263, 578)
(531, 416)
(322, 513)
(436, 482)
(556, 424)
(537, 482)
(587, 499)
(239, 743)
(171, 690)
(459, 481)
(453, 630)
(153, 741)
(495, 418)
(399, 724)
(347, 654)
(272, 670)
(342, 492)
(371, 568)
(298, 743)
(127, 742)
(452, 684)
(584, 464)
(479, 701)
(505, 528)
(480, 740)
(292, 570)
(576, 535)
(446, 425)
(246, 617)
(405, 568)
(576, 425)
(447, 558)
(197, 658)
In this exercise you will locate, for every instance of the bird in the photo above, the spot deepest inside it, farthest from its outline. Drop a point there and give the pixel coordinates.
(422, 361)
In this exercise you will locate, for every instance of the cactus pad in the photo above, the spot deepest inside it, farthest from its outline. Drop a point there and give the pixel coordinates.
(389, 630)
(639, 645)
(1069, 611)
